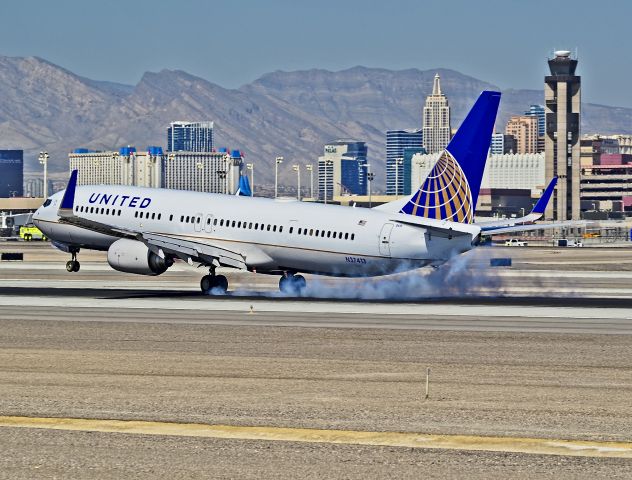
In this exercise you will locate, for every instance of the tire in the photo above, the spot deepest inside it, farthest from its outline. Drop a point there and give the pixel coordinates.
(76, 266)
(292, 284)
(214, 285)
(206, 283)
(70, 266)
(299, 284)
(221, 284)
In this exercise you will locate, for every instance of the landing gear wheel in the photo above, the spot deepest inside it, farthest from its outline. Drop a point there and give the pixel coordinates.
(72, 266)
(292, 284)
(214, 284)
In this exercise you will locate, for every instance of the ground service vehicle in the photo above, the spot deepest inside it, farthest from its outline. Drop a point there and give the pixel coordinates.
(514, 242)
(28, 233)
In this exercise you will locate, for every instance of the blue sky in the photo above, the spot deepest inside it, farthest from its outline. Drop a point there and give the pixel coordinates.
(234, 42)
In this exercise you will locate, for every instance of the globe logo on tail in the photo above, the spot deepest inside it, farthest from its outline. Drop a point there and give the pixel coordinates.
(445, 194)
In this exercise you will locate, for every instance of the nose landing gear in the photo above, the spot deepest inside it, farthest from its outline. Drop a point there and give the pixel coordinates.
(73, 265)
(292, 284)
(214, 284)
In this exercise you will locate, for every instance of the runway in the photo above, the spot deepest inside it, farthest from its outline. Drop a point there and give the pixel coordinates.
(541, 352)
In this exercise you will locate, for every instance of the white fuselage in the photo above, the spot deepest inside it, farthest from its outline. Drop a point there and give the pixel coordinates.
(272, 235)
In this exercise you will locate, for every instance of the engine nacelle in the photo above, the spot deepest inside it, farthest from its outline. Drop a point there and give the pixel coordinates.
(132, 256)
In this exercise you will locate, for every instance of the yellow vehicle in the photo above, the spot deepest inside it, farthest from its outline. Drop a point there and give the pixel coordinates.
(28, 233)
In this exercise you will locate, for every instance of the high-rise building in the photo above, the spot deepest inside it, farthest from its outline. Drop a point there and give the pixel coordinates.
(214, 172)
(34, 187)
(342, 169)
(190, 137)
(125, 167)
(502, 144)
(539, 112)
(525, 130)
(561, 143)
(436, 119)
(396, 142)
(12, 173)
(523, 171)
(409, 166)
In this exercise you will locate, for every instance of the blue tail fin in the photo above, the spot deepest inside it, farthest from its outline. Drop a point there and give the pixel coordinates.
(544, 199)
(451, 190)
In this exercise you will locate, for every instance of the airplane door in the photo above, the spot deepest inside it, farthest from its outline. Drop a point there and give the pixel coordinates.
(198, 222)
(208, 223)
(385, 239)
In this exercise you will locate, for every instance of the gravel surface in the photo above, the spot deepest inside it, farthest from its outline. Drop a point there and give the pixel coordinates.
(29, 454)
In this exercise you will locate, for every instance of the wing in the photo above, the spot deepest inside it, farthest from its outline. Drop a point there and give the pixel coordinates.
(201, 250)
(535, 226)
(494, 226)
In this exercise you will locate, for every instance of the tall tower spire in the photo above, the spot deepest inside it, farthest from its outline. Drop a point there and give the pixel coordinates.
(436, 86)
(436, 119)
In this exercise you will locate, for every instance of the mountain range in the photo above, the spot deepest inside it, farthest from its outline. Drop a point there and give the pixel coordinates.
(293, 114)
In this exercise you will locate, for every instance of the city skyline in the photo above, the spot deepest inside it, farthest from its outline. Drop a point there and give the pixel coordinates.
(249, 39)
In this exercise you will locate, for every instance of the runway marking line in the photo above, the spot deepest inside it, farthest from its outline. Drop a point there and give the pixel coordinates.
(540, 446)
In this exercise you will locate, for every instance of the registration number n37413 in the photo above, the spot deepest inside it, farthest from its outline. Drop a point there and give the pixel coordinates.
(355, 260)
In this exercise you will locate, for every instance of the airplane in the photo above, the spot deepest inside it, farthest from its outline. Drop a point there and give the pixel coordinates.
(144, 230)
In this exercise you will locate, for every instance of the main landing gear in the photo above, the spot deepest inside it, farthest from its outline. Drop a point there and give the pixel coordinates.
(292, 284)
(214, 284)
(73, 265)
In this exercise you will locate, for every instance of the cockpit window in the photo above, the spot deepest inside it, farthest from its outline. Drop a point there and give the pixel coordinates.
(47, 202)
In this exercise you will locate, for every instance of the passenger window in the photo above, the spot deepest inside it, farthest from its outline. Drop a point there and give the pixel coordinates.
(245, 225)
(250, 225)
(181, 218)
(311, 232)
(291, 229)
(346, 236)
(352, 236)
(136, 214)
(221, 222)
(256, 226)
(187, 219)
(328, 233)
(274, 228)
(159, 215)
(215, 222)
(198, 220)
(300, 230)
(153, 216)
(281, 229)
(239, 224)
(170, 217)
(233, 224)
(322, 234)
(119, 212)
(317, 232)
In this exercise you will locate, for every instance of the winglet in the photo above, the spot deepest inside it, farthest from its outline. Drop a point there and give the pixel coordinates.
(545, 198)
(68, 202)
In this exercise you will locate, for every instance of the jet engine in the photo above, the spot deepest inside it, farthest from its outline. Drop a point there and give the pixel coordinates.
(132, 256)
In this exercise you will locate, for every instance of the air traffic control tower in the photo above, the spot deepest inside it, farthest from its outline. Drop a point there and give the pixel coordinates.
(561, 145)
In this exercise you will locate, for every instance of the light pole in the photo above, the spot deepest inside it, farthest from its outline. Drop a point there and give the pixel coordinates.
(278, 161)
(310, 169)
(43, 159)
(251, 167)
(297, 169)
(398, 162)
